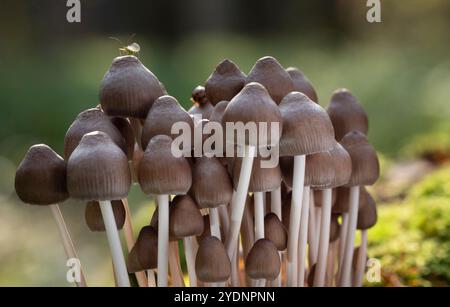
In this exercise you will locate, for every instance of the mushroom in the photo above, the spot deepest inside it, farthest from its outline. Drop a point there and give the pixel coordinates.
(302, 84)
(212, 263)
(263, 261)
(144, 253)
(201, 106)
(94, 219)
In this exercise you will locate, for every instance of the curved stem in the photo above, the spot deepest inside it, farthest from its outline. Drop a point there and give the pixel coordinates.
(324, 240)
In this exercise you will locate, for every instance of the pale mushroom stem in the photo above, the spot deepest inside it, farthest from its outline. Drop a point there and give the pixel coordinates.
(324, 240)
(214, 222)
(235, 282)
(331, 264)
(112, 234)
(151, 281)
(129, 239)
(163, 239)
(190, 260)
(350, 240)
(239, 200)
(275, 203)
(303, 237)
(294, 222)
(361, 263)
(342, 238)
(259, 215)
(312, 239)
(66, 240)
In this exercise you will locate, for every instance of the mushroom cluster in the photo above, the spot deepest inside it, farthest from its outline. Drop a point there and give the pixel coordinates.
(242, 221)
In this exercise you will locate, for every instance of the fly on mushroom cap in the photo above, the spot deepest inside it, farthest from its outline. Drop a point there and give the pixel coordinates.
(335, 228)
(144, 254)
(212, 263)
(185, 219)
(89, 121)
(262, 178)
(365, 165)
(128, 88)
(253, 105)
(225, 82)
(307, 128)
(302, 84)
(125, 129)
(347, 114)
(263, 261)
(165, 112)
(367, 213)
(201, 106)
(275, 231)
(94, 218)
(41, 177)
(211, 186)
(269, 72)
(98, 169)
(162, 173)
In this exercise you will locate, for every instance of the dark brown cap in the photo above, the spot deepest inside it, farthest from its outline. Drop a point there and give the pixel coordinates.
(165, 112)
(263, 261)
(98, 169)
(307, 129)
(201, 106)
(212, 185)
(128, 88)
(162, 173)
(217, 113)
(367, 214)
(125, 129)
(302, 84)
(144, 254)
(89, 121)
(347, 114)
(269, 72)
(253, 105)
(262, 178)
(225, 82)
(41, 177)
(335, 228)
(275, 231)
(212, 263)
(94, 218)
(365, 165)
(185, 219)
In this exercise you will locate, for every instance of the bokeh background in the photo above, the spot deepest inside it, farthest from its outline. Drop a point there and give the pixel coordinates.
(399, 69)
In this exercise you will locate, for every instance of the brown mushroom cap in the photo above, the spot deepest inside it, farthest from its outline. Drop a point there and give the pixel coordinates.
(365, 165)
(144, 254)
(162, 173)
(367, 213)
(185, 219)
(269, 72)
(224, 83)
(335, 228)
(263, 261)
(302, 84)
(89, 121)
(212, 263)
(253, 105)
(262, 178)
(128, 88)
(94, 218)
(211, 186)
(217, 113)
(201, 106)
(347, 114)
(275, 231)
(165, 112)
(98, 169)
(343, 199)
(125, 129)
(342, 164)
(41, 177)
(318, 197)
(307, 129)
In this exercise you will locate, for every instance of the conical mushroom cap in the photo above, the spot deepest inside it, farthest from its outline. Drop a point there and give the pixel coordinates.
(162, 173)
(342, 164)
(94, 218)
(365, 165)
(41, 177)
(201, 106)
(367, 214)
(212, 263)
(98, 169)
(347, 114)
(253, 106)
(165, 112)
(307, 128)
(89, 121)
(225, 82)
(263, 261)
(144, 254)
(185, 219)
(128, 88)
(125, 129)
(302, 84)
(269, 72)
(275, 231)
(335, 228)
(211, 186)
(262, 178)
(217, 113)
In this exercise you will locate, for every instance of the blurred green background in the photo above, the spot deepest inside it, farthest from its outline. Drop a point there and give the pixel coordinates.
(399, 69)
